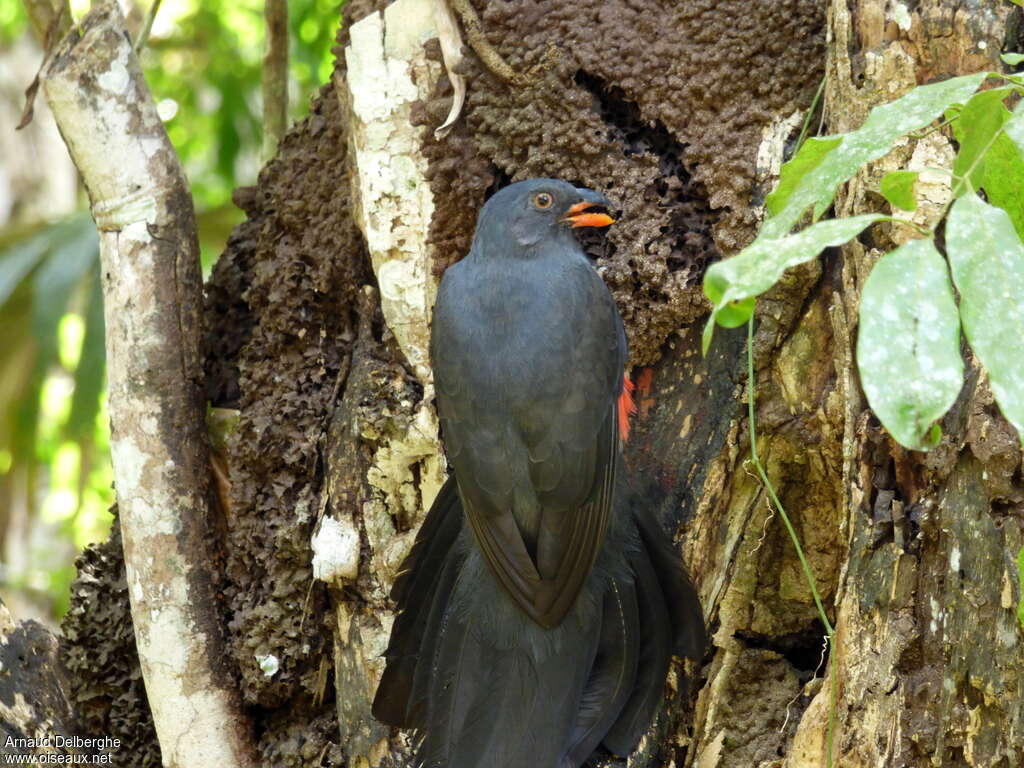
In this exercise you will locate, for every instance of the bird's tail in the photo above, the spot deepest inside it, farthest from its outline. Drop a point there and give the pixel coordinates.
(670, 622)
(421, 593)
(484, 686)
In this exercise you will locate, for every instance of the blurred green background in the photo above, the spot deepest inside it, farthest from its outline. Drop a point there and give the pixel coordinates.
(203, 64)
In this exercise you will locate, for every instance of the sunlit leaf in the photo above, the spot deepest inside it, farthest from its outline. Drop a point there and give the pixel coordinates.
(908, 345)
(813, 184)
(1004, 179)
(809, 157)
(898, 188)
(1004, 169)
(732, 283)
(980, 121)
(1014, 127)
(987, 258)
(1013, 59)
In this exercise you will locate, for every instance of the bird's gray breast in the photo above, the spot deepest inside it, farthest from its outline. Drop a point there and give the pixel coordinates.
(507, 330)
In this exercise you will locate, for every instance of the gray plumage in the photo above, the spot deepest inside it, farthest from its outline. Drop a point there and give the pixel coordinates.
(539, 607)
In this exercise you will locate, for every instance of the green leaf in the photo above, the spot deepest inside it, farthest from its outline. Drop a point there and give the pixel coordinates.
(980, 121)
(1004, 179)
(898, 188)
(1004, 169)
(811, 181)
(85, 400)
(1013, 59)
(908, 345)
(733, 283)
(987, 258)
(17, 261)
(74, 248)
(1014, 127)
(809, 157)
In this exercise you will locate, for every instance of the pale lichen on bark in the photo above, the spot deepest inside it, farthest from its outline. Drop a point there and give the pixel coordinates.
(387, 72)
(151, 284)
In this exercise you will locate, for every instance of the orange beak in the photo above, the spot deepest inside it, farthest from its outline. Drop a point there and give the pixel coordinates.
(578, 218)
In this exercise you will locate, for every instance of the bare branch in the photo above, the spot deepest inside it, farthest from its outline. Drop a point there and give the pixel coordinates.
(57, 25)
(147, 27)
(480, 44)
(152, 297)
(43, 14)
(275, 75)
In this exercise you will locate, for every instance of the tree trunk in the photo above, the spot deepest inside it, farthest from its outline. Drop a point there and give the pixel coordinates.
(151, 277)
(680, 112)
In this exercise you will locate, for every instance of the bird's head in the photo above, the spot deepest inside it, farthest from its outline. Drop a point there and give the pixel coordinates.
(532, 211)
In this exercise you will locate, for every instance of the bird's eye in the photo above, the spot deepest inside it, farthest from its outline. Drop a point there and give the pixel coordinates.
(543, 200)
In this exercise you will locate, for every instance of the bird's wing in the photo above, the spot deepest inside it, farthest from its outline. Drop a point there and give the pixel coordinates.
(553, 445)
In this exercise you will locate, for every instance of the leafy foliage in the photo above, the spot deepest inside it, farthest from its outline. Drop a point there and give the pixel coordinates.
(733, 284)
(204, 70)
(839, 157)
(910, 333)
(908, 349)
(49, 281)
(908, 344)
(898, 188)
(987, 258)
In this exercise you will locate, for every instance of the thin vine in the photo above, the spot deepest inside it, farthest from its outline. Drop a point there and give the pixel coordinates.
(808, 574)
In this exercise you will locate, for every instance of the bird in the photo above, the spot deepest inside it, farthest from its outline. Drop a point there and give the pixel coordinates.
(541, 602)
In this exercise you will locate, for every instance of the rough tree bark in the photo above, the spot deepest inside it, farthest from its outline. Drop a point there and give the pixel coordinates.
(929, 656)
(681, 112)
(151, 279)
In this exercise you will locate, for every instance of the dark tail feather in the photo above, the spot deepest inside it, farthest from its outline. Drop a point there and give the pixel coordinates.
(424, 674)
(420, 584)
(689, 636)
(479, 695)
(655, 651)
(454, 673)
(507, 707)
(614, 673)
(487, 713)
(433, 540)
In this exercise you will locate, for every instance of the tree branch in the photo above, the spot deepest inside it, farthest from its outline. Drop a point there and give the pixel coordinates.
(152, 297)
(147, 27)
(275, 75)
(43, 14)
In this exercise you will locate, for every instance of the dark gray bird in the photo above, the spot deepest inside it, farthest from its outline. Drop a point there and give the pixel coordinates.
(539, 606)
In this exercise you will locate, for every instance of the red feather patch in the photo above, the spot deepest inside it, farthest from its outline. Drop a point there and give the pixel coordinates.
(626, 407)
